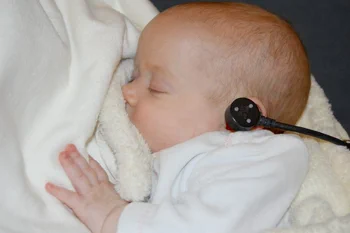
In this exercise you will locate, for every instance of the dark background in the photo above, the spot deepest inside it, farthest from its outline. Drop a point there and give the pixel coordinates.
(324, 27)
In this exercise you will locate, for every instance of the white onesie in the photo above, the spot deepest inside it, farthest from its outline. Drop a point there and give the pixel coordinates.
(220, 182)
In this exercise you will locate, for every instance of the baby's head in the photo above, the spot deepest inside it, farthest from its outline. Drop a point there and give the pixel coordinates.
(193, 60)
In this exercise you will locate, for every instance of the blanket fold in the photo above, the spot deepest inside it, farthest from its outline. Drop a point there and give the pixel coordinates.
(56, 63)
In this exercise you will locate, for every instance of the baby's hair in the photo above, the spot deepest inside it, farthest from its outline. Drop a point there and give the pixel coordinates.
(255, 54)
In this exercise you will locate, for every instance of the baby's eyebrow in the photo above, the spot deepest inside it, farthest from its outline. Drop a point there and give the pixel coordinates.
(161, 71)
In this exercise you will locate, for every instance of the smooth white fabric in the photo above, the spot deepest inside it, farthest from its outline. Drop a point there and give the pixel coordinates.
(57, 60)
(221, 182)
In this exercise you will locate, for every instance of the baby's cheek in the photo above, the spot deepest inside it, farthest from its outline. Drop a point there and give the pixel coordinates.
(154, 129)
(161, 128)
(141, 119)
(135, 119)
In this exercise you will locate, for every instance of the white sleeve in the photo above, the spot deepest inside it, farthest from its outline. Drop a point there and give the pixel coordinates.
(246, 188)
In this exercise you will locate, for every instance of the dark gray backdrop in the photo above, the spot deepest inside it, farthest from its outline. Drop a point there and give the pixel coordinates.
(324, 27)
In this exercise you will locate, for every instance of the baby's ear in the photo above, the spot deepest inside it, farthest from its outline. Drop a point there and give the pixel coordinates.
(260, 105)
(261, 108)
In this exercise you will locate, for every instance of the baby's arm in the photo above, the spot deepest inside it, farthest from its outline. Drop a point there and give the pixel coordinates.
(95, 201)
(243, 188)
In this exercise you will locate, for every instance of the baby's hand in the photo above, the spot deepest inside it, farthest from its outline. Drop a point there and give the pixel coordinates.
(95, 201)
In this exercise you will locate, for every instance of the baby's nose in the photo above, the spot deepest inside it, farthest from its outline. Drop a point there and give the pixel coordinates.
(129, 94)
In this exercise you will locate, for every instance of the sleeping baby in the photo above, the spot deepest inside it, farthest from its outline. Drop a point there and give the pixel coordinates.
(192, 61)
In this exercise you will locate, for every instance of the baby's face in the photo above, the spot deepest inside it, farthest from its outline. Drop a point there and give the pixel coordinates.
(166, 100)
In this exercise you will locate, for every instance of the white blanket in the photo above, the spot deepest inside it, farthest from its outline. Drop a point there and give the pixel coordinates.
(323, 203)
(56, 63)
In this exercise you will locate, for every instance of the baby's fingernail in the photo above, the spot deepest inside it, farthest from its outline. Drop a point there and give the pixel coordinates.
(70, 148)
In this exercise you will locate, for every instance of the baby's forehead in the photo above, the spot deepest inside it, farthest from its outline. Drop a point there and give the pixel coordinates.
(203, 33)
(217, 17)
(214, 32)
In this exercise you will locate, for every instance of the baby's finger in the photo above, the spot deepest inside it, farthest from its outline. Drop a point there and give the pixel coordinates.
(101, 174)
(78, 179)
(65, 196)
(70, 148)
(85, 168)
(82, 163)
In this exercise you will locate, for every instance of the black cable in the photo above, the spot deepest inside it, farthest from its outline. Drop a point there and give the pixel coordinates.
(270, 123)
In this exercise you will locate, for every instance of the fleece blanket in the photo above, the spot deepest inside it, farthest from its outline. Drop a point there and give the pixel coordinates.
(323, 203)
(57, 61)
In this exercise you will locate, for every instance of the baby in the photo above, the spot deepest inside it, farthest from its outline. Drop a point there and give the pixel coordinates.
(193, 60)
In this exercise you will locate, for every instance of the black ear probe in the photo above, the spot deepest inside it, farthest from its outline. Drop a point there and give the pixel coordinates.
(243, 115)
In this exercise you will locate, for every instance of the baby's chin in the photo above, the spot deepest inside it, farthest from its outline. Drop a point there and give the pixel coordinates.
(159, 146)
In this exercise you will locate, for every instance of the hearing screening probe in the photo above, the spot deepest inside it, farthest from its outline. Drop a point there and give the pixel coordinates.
(243, 115)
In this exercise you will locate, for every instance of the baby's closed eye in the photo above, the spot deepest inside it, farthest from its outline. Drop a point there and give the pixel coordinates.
(157, 88)
(155, 91)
